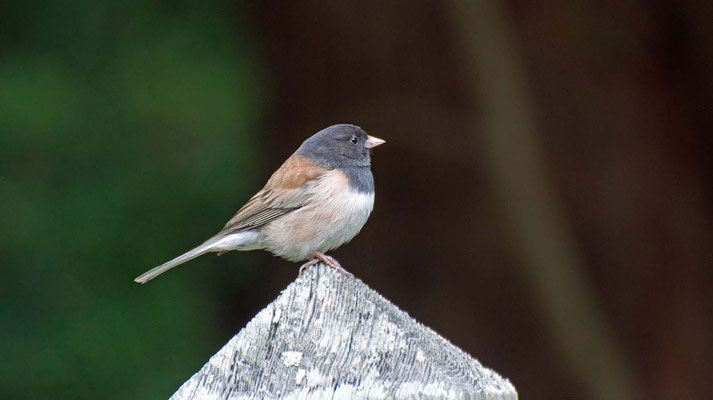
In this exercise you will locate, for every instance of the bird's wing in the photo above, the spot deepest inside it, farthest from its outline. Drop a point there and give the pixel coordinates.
(285, 191)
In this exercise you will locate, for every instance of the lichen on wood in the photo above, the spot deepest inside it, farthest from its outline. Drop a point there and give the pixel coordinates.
(329, 335)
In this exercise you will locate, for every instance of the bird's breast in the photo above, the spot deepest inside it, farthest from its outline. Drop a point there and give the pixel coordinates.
(335, 213)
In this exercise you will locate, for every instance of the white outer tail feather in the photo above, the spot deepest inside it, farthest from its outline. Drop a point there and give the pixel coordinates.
(237, 241)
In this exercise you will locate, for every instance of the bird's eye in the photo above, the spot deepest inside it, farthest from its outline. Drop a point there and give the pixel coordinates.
(354, 140)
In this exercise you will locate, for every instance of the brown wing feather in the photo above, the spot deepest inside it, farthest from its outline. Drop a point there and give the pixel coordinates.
(279, 196)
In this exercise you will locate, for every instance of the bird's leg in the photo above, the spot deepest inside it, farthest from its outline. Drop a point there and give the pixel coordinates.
(329, 261)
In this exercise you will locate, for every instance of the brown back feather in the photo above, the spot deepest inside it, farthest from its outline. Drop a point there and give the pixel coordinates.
(294, 172)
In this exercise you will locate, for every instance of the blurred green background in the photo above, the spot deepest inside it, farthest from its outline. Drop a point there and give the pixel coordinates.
(543, 200)
(123, 125)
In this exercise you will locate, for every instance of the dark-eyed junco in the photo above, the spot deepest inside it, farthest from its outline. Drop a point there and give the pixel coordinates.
(319, 199)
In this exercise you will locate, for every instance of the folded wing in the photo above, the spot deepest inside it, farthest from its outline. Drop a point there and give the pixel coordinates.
(287, 190)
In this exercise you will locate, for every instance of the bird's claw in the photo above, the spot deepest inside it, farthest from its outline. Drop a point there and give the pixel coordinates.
(330, 261)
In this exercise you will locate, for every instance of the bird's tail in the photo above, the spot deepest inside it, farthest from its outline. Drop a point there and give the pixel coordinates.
(221, 243)
(206, 247)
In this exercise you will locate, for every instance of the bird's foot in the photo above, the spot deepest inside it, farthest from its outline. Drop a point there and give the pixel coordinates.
(308, 264)
(330, 261)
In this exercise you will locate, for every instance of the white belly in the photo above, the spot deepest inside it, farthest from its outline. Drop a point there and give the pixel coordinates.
(321, 225)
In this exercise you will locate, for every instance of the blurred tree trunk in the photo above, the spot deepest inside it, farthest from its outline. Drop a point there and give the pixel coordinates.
(511, 147)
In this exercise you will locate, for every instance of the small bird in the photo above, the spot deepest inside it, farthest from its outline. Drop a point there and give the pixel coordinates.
(319, 199)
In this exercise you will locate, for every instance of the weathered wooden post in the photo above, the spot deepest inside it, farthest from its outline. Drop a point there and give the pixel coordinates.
(331, 336)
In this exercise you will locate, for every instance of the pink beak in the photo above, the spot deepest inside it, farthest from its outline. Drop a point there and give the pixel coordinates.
(372, 142)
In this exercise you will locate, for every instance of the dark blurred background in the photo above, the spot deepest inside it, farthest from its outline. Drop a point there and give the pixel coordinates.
(544, 197)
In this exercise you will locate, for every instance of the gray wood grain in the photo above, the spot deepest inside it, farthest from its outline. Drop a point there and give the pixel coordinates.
(331, 336)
